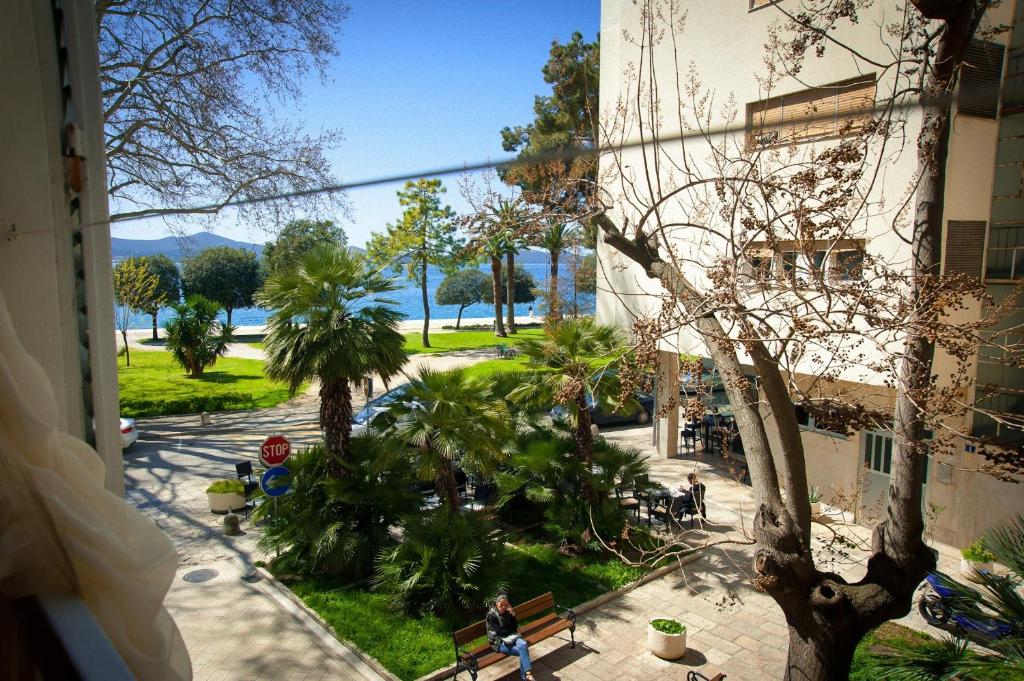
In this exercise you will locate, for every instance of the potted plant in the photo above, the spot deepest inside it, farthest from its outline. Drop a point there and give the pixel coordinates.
(976, 558)
(814, 496)
(226, 495)
(666, 638)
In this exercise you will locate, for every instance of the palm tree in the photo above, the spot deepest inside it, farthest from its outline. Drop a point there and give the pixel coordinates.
(329, 323)
(194, 336)
(556, 236)
(564, 372)
(995, 598)
(494, 247)
(449, 417)
(509, 221)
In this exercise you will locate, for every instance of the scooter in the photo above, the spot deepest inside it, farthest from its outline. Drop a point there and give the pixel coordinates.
(938, 609)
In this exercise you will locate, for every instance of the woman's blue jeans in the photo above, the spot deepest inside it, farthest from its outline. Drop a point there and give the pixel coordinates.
(522, 650)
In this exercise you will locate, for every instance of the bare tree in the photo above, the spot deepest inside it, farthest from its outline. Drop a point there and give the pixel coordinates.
(758, 241)
(187, 89)
(135, 290)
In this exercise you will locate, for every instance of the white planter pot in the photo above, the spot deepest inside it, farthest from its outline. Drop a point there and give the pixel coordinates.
(666, 646)
(224, 503)
(815, 508)
(970, 568)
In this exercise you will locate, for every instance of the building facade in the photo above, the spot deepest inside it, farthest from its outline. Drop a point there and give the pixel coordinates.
(687, 87)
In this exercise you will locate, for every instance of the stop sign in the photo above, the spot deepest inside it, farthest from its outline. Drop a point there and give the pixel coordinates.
(275, 450)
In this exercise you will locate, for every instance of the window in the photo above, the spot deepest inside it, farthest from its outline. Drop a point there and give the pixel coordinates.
(1005, 257)
(878, 452)
(808, 422)
(832, 110)
(848, 265)
(842, 260)
(980, 77)
(1013, 83)
(1000, 385)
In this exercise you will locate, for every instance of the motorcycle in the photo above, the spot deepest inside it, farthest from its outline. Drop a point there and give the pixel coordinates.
(938, 607)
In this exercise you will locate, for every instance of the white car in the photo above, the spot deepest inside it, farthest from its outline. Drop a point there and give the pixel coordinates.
(375, 413)
(128, 433)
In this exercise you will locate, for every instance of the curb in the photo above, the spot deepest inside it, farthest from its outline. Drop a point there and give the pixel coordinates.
(326, 635)
(592, 604)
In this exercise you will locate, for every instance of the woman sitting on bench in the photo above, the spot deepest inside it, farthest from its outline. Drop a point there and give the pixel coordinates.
(503, 635)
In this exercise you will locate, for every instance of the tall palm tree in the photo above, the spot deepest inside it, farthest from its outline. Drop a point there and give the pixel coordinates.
(329, 323)
(510, 222)
(555, 238)
(449, 417)
(563, 362)
(494, 247)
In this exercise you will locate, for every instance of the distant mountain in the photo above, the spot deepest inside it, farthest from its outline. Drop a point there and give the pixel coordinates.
(175, 248)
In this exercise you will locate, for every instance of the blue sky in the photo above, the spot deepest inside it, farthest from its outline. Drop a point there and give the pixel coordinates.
(422, 85)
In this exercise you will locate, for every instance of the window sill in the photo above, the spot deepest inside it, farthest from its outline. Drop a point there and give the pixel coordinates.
(828, 433)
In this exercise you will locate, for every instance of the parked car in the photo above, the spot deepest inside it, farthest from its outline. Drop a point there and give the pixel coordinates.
(376, 412)
(128, 433)
(602, 417)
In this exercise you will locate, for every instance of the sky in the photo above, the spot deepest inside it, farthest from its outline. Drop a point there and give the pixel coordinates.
(418, 86)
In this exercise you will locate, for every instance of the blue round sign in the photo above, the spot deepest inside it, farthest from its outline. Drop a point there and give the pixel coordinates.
(275, 481)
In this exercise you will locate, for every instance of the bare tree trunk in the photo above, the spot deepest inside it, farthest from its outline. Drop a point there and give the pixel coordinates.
(127, 350)
(426, 304)
(156, 335)
(458, 320)
(499, 325)
(336, 422)
(554, 308)
(227, 311)
(510, 288)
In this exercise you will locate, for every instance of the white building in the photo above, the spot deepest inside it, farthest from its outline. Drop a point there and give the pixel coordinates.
(708, 64)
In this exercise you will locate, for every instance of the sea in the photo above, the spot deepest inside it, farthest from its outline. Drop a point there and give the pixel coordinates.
(409, 301)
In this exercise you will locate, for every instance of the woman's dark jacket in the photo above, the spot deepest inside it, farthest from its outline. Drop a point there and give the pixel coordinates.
(500, 625)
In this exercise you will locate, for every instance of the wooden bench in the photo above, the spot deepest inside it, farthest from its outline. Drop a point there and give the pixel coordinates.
(697, 676)
(473, 660)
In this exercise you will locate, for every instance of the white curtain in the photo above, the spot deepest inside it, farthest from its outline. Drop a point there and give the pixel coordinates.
(61, 531)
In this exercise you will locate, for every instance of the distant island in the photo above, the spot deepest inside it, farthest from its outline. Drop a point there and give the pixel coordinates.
(179, 248)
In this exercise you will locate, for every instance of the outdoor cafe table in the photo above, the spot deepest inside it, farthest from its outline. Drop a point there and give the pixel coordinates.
(651, 497)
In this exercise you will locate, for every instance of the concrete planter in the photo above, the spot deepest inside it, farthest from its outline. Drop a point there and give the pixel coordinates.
(971, 568)
(666, 646)
(225, 503)
(815, 508)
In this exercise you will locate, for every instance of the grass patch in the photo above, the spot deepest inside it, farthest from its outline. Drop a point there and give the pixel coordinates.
(410, 647)
(465, 340)
(496, 366)
(154, 385)
(872, 645)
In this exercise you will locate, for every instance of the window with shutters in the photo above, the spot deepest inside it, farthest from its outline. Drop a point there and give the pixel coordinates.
(1013, 83)
(833, 110)
(841, 260)
(965, 247)
(980, 77)
(1005, 258)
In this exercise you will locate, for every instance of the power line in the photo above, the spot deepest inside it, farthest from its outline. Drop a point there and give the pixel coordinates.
(540, 158)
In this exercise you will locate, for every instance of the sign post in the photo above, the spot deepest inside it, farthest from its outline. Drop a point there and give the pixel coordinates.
(275, 450)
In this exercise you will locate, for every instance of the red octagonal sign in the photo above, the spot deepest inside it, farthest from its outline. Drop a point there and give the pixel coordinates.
(275, 450)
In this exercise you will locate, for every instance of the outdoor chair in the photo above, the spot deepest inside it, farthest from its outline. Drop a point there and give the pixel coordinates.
(688, 436)
(631, 501)
(243, 469)
(672, 511)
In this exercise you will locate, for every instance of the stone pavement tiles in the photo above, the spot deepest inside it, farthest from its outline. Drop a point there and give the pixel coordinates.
(237, 630)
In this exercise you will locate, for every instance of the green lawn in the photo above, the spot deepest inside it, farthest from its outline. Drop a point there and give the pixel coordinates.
(465, 340)
(411, 647)
(154, 385)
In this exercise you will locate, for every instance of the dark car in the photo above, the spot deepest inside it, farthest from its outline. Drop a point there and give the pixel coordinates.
(602, 417)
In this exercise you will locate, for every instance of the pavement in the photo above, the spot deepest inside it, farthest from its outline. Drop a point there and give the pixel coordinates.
(237, 629)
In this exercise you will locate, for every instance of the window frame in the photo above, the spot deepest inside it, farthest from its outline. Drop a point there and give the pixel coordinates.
(857, 85)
